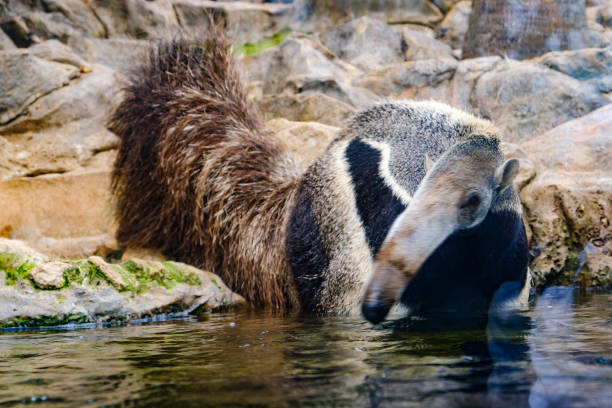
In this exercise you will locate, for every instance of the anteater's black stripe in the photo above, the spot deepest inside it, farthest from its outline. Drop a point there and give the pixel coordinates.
(306, 251)
(377, 205)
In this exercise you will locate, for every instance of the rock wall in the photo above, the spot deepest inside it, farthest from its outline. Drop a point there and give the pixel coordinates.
(63, 64)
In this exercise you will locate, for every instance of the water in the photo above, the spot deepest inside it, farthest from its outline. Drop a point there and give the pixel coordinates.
(559, 353)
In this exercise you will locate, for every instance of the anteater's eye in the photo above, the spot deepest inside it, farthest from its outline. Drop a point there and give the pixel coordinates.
(472, 202)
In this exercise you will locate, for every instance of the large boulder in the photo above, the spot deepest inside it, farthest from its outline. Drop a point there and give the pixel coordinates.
(425, 79)
(525, 99)
(137, 18)
(118, 54)
(366, 43)
(301, 66)
(35, 291)
(568, 204)
(593, 65)
(419, 45)
(65, 129)
(24, 78)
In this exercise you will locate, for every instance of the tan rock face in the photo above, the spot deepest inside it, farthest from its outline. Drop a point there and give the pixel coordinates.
(366, 43)
(57, 206)
(307, 140)
(314, 107)
(569, 202)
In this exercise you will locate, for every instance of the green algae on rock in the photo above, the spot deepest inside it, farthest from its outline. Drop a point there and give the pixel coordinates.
(94, 291)
(268, 42)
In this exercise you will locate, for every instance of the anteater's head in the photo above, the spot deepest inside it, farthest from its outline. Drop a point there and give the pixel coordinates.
(457, 193)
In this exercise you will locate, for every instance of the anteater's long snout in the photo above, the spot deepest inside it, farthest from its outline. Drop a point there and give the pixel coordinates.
(384, 289)
(413, 237)
(380, 294)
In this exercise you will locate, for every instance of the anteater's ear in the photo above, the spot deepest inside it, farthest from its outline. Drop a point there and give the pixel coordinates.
(505, 174)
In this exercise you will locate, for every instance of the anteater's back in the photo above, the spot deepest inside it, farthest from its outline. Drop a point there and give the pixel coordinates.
(197, 176)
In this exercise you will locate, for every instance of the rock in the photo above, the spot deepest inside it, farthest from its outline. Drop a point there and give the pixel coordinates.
(307, 140)
(110, 271)
(327, 13)
(145, 254)
(445, 6)
(17, 31)
(455, 24)
(466, 77)
(246, 22)
(593, 65)
(50, 275)
(137, 18)
(315, 107)
(366, 43)
(9, 167)
(417, 45)
(79, 13)
(44, 26)
(63, 130)
(415, 79)
(411, 28)
(77, 247)
(17, 252)
(53, 50)
(568, 204)
(300, 66)
(118, 54)
(601, 14)
(525, 99)
(5, 42)
(25, 78)
(57, 206)
(86, 295)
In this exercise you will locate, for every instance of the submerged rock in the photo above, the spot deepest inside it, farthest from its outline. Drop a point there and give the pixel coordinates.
(94, 291)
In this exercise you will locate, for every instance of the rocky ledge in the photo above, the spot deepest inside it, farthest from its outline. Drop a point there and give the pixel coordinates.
(38, 291)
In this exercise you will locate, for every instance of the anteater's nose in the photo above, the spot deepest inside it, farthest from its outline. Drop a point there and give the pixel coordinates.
(375, 312)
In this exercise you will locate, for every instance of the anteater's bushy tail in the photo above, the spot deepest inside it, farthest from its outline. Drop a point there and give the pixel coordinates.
(197, 176)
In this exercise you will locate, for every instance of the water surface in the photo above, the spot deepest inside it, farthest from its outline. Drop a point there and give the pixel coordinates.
(556, 354)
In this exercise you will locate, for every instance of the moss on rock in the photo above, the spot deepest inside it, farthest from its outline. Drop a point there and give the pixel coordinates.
(45, 321)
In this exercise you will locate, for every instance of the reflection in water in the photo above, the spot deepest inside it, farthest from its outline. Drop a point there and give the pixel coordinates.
(566, 370)
(254, 360)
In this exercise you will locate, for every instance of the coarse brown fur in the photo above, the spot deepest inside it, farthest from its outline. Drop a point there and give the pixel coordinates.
(198, 176)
